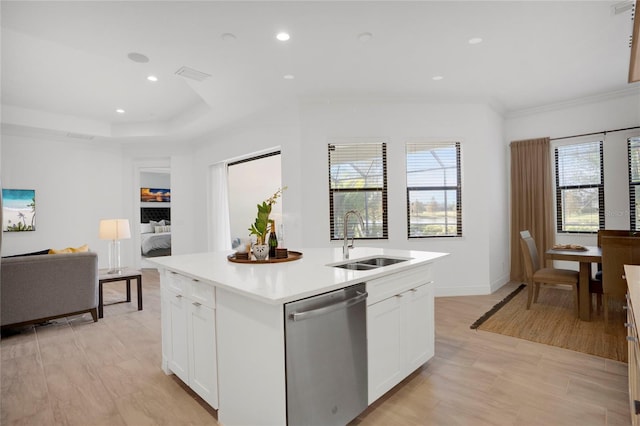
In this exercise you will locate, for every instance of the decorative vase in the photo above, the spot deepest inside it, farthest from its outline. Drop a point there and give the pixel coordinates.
(260, 251)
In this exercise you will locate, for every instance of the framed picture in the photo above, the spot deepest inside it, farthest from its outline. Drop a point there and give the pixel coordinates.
(18, 210)
(160, 195)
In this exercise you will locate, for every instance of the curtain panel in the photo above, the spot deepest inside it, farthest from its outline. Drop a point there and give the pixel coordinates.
(531, 199)
(221, 226)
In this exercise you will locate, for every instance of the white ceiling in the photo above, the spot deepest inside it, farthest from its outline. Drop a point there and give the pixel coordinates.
(65, 64)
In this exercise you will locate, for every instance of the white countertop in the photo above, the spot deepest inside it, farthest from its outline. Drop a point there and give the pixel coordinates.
(284, 282)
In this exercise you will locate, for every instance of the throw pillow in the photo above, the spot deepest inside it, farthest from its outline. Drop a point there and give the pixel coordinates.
(83, 248)
(146, 228)
(159, 229)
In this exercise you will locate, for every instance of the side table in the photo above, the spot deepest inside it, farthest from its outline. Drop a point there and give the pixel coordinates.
(126, 275)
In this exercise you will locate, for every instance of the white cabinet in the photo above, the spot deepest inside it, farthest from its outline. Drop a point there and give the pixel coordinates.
(189, 333)
(400, 328)
(178, 354)
(420, 338)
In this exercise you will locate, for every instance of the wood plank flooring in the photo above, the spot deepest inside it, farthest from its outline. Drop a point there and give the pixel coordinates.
(76, 372)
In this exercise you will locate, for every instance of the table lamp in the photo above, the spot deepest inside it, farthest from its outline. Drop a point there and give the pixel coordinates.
(114, 230)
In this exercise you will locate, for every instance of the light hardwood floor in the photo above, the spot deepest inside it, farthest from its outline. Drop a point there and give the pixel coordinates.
(76, 372)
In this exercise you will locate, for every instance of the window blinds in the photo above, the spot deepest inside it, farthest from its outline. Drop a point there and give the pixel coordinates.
(434, 196)
(358, 181)
(580, 187)
(633, 151)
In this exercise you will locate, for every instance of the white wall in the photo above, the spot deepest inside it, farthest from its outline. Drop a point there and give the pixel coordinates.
(77, 183)
(155, 180)
(467, 270)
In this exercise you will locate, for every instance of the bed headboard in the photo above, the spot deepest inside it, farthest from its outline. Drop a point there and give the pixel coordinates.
(155, 214)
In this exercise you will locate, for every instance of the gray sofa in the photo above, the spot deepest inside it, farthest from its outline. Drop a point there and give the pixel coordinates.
(38, 288)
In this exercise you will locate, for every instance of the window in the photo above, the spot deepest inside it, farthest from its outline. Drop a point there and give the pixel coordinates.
(358, 181)
(251, 181)
(633, 153)
(434, 190)
(579, 187)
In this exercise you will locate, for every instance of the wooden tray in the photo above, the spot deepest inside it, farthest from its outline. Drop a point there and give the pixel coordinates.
(293, 255)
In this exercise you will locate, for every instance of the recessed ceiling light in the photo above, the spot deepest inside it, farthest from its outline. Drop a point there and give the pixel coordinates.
(228, 37)
(152, 78)
(283, 36)
(475, 40)
(138, 57)
(437, 77)
(289, 76)
(365, 37)
(120, 111)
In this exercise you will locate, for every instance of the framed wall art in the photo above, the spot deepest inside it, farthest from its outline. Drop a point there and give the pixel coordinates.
(160, 195)
(18, 210)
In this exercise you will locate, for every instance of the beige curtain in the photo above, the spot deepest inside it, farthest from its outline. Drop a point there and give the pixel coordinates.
(531, 199)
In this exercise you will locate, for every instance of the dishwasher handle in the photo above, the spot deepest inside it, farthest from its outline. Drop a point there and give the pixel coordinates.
(303, 315)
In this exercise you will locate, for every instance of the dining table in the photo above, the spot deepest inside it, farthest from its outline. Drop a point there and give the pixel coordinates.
(585, 256)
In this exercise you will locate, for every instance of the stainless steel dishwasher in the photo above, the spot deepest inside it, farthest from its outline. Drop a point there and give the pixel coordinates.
(326, 357)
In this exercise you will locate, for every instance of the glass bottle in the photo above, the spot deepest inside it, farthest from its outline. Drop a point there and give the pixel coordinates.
(273, 240)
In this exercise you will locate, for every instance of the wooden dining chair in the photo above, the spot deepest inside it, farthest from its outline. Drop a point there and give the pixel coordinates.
(537, 275)
(595, 282)
(617, 252)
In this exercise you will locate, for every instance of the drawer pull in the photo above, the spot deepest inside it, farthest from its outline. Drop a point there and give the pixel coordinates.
(196, 281)
(413, 290)
(632, 338)
(178, 296)
(398, 295)
(628, 324)
(196, 304)
(625, 307)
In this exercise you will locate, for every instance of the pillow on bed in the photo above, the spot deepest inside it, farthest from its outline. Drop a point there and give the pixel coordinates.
(146, 228)
(159, 229)
(154, 223)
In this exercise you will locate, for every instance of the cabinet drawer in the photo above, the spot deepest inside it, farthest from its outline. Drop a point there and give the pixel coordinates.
(176, 282)
(382, 288)
(202, 293)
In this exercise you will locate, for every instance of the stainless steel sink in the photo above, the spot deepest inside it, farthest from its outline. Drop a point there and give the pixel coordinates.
(368, 264)
(381, 261)
(356, 266)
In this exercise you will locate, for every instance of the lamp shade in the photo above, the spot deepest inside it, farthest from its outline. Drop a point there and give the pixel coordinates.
(114, 229)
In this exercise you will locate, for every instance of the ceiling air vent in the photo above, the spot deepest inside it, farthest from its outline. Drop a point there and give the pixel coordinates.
(193, 74)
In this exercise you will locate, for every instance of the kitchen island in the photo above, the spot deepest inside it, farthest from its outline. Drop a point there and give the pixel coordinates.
(223, 323)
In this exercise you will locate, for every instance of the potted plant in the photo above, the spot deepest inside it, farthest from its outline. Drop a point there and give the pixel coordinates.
(260, 228)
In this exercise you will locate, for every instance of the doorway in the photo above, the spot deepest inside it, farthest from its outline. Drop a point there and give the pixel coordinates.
(154, 208)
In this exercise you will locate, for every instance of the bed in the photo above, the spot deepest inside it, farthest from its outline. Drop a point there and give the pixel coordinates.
(155, 231)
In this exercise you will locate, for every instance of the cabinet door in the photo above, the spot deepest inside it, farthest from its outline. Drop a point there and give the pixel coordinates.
(203, 366)
(179, 350)
(420, 326)
(384, 339)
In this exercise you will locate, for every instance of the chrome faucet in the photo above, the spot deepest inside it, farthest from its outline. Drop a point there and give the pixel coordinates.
(346, 246)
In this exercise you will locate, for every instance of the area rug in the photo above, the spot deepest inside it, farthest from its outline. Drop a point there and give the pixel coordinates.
(551, 321)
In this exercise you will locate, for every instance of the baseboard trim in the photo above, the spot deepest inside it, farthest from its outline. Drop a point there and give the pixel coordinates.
(461, 291)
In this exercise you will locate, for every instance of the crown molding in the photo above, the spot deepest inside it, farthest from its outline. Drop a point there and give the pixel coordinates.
(600, 97)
